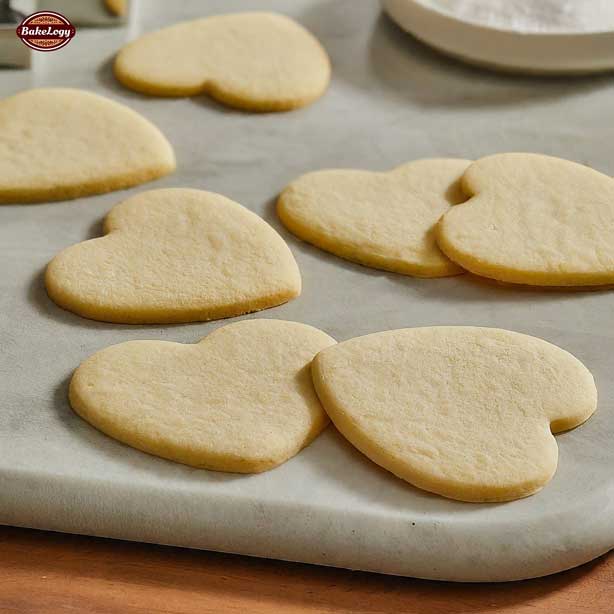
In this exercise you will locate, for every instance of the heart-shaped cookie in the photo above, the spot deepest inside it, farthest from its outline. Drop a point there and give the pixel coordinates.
(241, 400)
(175, 255)
(59, 143)
(534, 220)
(254, 61)
(382, 220)
(464, 412)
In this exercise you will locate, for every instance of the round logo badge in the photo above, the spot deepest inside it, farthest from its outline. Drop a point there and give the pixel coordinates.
(45, 31)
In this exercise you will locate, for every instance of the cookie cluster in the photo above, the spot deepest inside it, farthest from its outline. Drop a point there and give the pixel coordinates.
(465, 412)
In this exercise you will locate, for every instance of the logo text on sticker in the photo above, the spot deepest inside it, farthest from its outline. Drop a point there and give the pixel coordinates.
(45, 31)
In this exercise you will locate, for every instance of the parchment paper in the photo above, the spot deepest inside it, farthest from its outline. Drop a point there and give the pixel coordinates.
(391, 101)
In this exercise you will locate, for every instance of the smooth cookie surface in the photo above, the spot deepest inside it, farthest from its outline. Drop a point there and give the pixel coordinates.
(254, 61)
(58, 143)
(240, 400)
(175, 255)
(382, 220)
(535, 220)
(464, 412)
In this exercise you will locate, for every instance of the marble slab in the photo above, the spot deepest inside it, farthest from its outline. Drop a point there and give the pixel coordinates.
(391, 101)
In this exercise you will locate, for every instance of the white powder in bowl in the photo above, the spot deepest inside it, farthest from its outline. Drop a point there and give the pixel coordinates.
(533, 15)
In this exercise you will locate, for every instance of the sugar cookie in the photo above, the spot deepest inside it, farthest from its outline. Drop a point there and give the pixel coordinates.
(118, 8)
(254, 61)
(381, 220)
(175, 255)
(240, 400)
(60, 143)
(464, 412)
(534, 220)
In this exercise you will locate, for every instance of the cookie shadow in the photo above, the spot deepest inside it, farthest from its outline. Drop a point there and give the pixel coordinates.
(106, 77)
(96, 229)
(337, 460)
(398, 66)
(206, 101)
(472, 290)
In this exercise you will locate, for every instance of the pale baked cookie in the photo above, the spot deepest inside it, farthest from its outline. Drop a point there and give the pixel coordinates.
(464, 412)
(58, 143)
(116, 7)
(382, 220)
(534, 220)
(254, 61)
(175, 255)
(241, 400)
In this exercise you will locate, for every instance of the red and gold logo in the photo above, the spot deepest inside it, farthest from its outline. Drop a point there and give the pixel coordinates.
(45, 31)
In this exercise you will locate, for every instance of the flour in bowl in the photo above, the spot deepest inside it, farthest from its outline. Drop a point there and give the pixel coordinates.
(530, 16)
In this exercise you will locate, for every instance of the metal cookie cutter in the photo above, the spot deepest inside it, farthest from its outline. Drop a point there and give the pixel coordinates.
(90, 13)
(13, 53)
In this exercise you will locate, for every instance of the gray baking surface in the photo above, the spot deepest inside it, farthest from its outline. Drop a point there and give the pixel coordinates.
(391, 101)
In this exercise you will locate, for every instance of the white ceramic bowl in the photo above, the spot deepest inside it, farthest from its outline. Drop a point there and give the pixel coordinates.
(542, 52)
